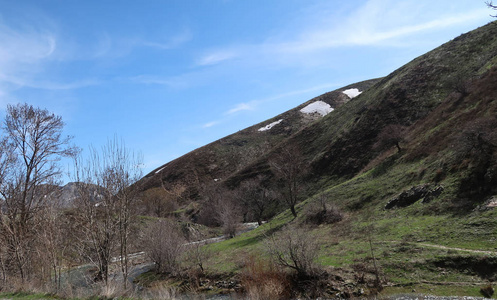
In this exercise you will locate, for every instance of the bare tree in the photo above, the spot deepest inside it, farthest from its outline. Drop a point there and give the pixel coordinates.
(478, 139)
(476, 144)
(32, 146)
(492, 6)
(53, 239)
(106, 201)
(197, 254)
(228, 212)
(220, 208)
(256, 197)
(164, 244)
(290, 168)
(391, 135)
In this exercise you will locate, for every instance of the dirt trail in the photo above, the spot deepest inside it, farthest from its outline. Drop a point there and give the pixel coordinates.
(457, 249)
(448, 248)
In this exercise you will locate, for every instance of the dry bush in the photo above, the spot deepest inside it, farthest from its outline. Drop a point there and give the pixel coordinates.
(161, 292)
(207, 214)
(228, 214)
(220, 208)
(164, 244)
(295, 248)
(196, 252)
(159, 202)
(487, 291)
(111, 290)
(320, 212)
(196, 255)
(264, 280)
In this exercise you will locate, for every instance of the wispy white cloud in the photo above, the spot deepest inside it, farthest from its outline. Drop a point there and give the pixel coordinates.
(375, 23)
(48, 85)
(242, 107)
(25, 47)
(367, 29)
(172, 42)
(210, 124)
(26, 54)
(111, 46)
(216, 57)
(172, 82)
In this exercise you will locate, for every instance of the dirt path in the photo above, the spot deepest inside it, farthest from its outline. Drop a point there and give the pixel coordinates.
(456, 249)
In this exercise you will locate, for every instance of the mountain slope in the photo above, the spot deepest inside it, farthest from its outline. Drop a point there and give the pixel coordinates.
(222, 158)
(343, 143)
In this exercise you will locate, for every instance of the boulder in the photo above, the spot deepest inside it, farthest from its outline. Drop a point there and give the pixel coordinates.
(415, 194)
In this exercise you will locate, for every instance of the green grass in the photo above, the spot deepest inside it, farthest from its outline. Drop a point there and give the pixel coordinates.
(401, 238)
(27, 296)
(431, 289)
(230, 254)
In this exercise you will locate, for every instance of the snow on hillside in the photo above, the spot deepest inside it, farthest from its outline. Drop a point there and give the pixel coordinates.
(351, 93)
(319, 107)
(269, 126)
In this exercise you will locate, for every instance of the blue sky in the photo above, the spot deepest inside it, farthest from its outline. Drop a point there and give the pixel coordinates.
(170, 76)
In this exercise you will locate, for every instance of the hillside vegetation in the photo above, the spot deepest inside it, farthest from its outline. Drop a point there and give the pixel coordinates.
(410, 165)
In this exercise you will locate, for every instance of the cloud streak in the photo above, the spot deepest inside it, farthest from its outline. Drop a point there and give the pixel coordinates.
(210, 124)
(172, 42)
(48, 85)
(24, 47)
(241, 107)
(364, 27)
(216, 57)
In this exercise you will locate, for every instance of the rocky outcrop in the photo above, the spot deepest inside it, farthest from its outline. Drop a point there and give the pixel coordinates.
(414, 194)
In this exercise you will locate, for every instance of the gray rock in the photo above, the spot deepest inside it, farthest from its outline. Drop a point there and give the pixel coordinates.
(415, 194)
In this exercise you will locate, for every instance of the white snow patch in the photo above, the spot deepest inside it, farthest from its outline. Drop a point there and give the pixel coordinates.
(319, 107)
(351, 93)
(159, 170)
(269, 126)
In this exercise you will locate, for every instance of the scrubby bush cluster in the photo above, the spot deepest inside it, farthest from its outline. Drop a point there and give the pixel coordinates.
(265, 280)
(294, 248)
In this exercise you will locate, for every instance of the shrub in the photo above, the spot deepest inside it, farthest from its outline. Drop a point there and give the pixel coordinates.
(317, 214)
(487, 291)
(164, 245)
(264, 280)
(295, 248)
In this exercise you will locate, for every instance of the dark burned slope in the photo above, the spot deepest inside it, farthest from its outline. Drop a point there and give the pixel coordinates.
(222, 158)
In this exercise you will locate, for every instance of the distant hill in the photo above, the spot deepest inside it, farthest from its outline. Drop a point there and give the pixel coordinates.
(68, 194)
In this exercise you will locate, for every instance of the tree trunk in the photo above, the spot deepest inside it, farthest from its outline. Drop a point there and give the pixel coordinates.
(398, 147)
(292, 209)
